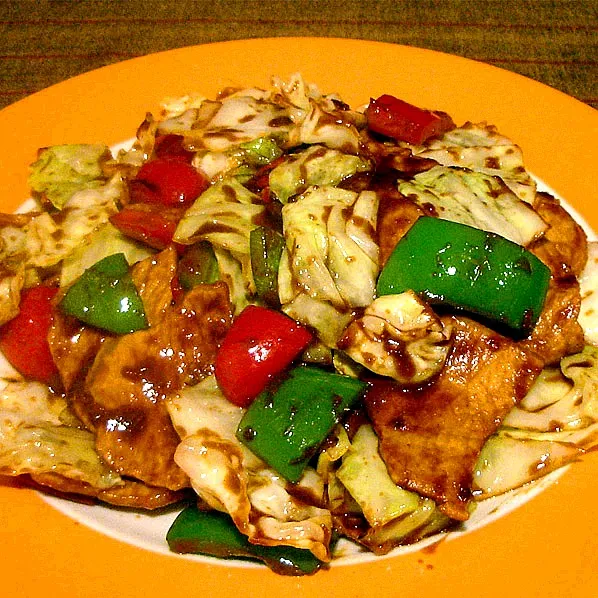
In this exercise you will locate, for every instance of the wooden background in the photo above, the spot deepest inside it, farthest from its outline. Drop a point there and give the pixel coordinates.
(44, 42)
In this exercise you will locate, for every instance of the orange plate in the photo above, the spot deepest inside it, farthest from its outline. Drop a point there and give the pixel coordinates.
(545, 548)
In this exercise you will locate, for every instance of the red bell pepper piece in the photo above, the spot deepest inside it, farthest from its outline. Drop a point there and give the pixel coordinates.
(148, 226)
(168, 182)
(171, 146)
(402, 121)
(260, 344)
(24, 339)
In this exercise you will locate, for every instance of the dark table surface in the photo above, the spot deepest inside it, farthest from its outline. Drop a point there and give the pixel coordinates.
(45, 42)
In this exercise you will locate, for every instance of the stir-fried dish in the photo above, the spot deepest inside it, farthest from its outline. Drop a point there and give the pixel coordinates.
(305, 324)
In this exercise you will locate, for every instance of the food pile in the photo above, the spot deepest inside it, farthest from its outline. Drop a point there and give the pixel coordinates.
(310, 326)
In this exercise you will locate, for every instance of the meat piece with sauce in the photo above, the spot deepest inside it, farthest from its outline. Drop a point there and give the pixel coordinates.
(73, 345)
(122, 400)
(430, 437)
(564, 246)
(130, 493)
(132, 375)
(557, 332)
(396, 215)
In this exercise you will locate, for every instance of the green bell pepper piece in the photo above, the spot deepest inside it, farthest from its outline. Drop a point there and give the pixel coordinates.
(265, 249)
(286, 424)
(105, 296)
(453, 264)
(214, 533)
(198, 265)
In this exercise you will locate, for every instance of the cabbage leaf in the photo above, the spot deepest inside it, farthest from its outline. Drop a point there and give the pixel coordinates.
(588, 281)
(33, 242)
(318, 118)
(327, 258)
(315, 165)
(62, 170)
(561, 399)
(475, 199)
(49, 240)
(229, 478)
(108, 240)
(405, 323)
(555, 423)
(291, 112)
(364, 475)
(481, 148)
(38, 436)
(508, 462)
(224, 215)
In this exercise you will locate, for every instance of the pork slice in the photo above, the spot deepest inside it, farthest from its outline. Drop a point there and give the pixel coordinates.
(396, 215)
(73, 345)
(564, 245)
(130, 493)
(557, 332)
(430, 437)
(132, 376)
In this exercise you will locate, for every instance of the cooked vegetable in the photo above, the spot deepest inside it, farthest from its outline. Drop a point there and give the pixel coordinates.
(228, 477)
(588, 315)
(398, 336)
(332, 254)
(107, 240)
(476, 199)
(24, 339)
(364, 475)
(266, 246)
(198, 265)
(260, 344)
(45, 239)
(426, 520)
(562, 399)
(326, 320)
(402, 121)
(168, 182)
(316, 165)
(260, 151)
(286, 425)
(225, 214)
(41, 436)
(509, 462)
(150, 227)
(481, 148)
(62, 170)
(105, 296)
(213, 533)
(452, 264)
